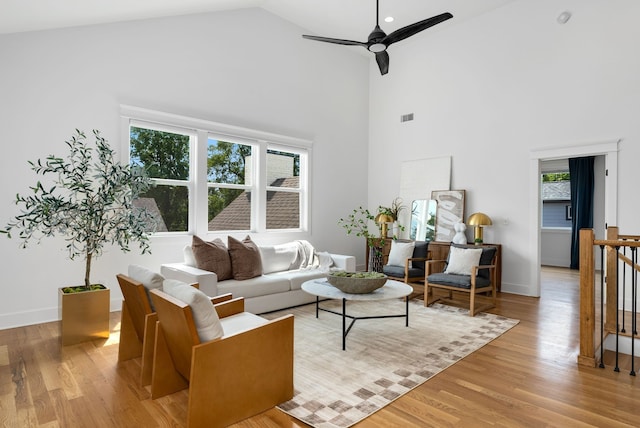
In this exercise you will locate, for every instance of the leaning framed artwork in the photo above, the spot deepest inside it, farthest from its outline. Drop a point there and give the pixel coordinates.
(449, 212)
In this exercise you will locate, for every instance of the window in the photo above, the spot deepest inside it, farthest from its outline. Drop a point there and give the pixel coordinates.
(207, 179)
(556, 199)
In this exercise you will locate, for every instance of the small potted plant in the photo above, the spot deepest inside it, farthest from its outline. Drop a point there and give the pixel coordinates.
(90, 203)
(394, 212)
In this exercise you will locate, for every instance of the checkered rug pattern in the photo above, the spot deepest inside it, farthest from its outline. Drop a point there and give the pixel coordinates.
(383, 359)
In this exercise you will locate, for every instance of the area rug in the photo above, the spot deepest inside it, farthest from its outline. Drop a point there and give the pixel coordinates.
(383, 359)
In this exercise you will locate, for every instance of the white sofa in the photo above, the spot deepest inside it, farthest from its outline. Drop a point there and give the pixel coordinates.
(278, 287)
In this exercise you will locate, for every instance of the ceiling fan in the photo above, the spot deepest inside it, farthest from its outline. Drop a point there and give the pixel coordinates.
(379, 41)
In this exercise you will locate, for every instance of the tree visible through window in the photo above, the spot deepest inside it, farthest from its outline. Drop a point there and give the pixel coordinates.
(165, 156)
(232, 175)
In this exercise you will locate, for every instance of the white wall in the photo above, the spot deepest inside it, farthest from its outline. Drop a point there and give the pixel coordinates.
(246, 68)
(492, 89)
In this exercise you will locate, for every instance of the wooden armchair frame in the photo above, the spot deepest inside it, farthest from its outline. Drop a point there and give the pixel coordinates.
(229, 379)
(438, 266)
(138, 325)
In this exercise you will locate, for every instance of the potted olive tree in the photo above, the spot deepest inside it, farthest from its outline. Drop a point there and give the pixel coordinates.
(88, 199)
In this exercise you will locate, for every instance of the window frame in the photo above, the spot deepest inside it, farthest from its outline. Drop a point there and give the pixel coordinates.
(200, 131)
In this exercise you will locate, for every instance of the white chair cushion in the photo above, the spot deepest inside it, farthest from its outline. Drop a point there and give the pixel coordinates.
(241, 322)
(461, 260)
(400, 252)
(204, 314)
(146, 277)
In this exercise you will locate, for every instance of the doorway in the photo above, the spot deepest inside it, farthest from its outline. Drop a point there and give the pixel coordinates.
(606, 174)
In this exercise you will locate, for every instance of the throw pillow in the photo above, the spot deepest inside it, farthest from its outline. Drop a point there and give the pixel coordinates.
(146, 277)
(245, 258)
(461, 260)
(212, 256)
(400, 252)
(205, 316)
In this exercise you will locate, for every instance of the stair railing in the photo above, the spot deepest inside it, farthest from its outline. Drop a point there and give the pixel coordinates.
(592, 305)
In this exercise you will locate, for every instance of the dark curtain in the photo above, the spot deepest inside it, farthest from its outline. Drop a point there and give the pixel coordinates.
(582, 177)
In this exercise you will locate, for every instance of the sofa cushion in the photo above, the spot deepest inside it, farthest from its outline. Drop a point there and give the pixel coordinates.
(245, 258)
(212, 256)
(278, 258)
(400, 252)
(297, 277)
(205, 316)
(257, 286)
(461, 260)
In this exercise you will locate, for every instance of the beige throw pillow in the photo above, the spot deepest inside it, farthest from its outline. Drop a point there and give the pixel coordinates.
(400, 252)
(212, 256)
(245, 258)
(461, 260)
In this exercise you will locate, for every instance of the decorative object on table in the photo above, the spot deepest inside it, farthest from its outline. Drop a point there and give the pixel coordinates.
(357, 282)
(91, 203)
(357, 223)
(383, 360)
(382, 221)
(478, 221)
(460, 237)
(423, 220)
(450, 211)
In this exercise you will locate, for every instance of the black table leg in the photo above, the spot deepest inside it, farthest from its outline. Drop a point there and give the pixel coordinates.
(344, 324)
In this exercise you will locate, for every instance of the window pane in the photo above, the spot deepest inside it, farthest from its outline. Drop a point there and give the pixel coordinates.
(283, 169)
(170, 206)
(283, 210)
(163, 154)
(227, 162)
(229, 209)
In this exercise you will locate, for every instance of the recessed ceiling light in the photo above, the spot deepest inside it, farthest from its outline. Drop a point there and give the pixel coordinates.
(388, 19)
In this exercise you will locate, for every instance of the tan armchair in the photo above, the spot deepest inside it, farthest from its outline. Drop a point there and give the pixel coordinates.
(480, 280)
(138, 325)
(245, 372)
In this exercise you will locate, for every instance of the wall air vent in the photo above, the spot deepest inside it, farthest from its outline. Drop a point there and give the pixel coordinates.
(406, 117)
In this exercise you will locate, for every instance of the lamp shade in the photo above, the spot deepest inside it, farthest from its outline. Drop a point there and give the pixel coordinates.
(479, 219)
(383, 218)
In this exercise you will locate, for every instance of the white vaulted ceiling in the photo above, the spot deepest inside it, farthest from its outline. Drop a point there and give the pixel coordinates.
(346, 19)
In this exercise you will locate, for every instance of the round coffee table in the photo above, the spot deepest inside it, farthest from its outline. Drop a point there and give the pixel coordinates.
(390, 290)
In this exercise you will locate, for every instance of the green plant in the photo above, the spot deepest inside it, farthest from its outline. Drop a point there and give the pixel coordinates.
(396, 208)
(357, 223)
(90, 202)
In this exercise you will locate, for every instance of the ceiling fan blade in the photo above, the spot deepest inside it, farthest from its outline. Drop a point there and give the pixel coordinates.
(415, 28)
(382, 58)
(336, 41)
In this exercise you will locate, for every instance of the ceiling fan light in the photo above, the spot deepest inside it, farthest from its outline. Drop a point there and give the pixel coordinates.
(377, 47)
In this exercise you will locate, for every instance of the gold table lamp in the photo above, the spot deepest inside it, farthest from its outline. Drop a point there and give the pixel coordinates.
(382, 220)
(478, 220)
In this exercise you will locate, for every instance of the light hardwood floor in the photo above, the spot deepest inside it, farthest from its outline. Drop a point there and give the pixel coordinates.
(528, 377)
